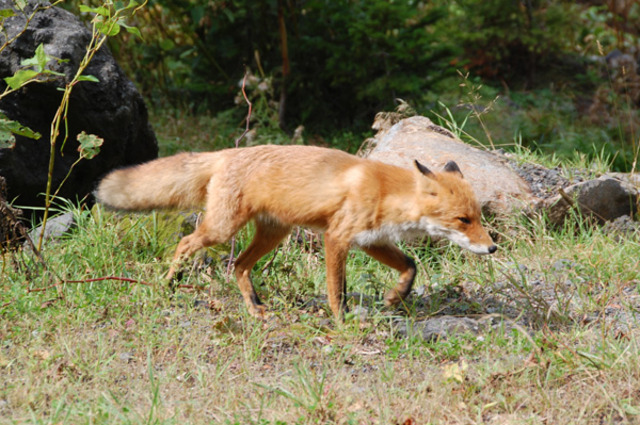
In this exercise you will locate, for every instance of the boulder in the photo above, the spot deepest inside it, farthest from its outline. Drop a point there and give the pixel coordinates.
(111, 108)
(605, 199)
(498, 188)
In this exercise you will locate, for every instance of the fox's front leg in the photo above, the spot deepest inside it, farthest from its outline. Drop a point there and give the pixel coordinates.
(336, 257)
(393, 257)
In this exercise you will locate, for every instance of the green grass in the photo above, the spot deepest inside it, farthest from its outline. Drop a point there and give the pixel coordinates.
(561, 342)
(553, 122)
(117, 352)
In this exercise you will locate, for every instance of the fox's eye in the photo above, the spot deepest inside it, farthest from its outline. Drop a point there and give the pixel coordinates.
(464, 220)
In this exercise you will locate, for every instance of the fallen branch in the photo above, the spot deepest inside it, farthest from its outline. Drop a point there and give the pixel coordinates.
(97, 279)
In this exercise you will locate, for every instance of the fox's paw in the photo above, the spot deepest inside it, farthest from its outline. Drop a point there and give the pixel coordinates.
(259, 311)
(392, 298)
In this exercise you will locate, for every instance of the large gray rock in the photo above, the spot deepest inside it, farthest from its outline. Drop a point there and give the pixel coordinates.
(112, 109)
(498, 188)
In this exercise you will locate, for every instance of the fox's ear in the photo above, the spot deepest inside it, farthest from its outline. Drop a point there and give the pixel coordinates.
(452, 167)
(424, 170)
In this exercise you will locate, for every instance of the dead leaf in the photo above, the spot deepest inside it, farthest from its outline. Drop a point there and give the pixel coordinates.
(42, 354)
(456, 371)
(216, 305)
(355, 407)
(48, 303)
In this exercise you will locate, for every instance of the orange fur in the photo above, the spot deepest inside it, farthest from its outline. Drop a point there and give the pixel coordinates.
(354, 200)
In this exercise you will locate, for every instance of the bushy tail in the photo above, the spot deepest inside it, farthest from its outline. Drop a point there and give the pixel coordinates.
(178, 181)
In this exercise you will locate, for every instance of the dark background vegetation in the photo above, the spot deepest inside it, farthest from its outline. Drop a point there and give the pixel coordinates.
(532, 73)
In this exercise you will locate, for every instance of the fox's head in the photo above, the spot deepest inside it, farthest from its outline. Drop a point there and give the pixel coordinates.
(449, 209)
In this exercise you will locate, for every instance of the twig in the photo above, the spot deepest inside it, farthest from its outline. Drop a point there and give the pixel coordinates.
(185, 286)
(244, 93)
(237, 143)
(97, 279)
(231, 257)
(567, 198)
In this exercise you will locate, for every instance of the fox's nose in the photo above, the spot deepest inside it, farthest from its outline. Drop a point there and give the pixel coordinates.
(492, 249)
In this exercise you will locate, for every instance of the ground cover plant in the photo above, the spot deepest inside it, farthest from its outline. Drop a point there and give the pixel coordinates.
(554, 334)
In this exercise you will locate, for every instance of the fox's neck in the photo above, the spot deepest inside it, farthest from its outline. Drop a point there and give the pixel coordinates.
(405, 202)
(403, 214)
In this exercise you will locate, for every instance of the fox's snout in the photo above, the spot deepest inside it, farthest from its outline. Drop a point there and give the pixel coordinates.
(474, 238)
(483, 249)
(479, 241)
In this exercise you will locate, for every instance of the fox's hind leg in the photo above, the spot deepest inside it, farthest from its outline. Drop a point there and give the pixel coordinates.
(215, 229)
(268, 236)
(393, 257)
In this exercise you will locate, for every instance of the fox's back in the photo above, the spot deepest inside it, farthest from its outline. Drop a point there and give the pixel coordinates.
(294, 184)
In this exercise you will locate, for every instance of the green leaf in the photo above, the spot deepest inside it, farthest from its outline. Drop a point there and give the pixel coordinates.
(197, 13)
(39, 59)
(86, 9)
(9, 127)
(20, 78)
(89, 145)
(88, 78)
(108, 28)
(103, 11)
(628, 406)
(50, 72)
(133, 30)
(7, 13)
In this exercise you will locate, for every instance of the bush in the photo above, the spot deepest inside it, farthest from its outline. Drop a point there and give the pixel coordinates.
(348, 59)
(514, 40)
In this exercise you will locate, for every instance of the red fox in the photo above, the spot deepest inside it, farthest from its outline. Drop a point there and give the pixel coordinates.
(355, 201)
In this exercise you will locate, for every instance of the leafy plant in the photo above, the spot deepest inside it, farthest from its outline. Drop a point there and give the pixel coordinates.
(32, 70)
(108, 20)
